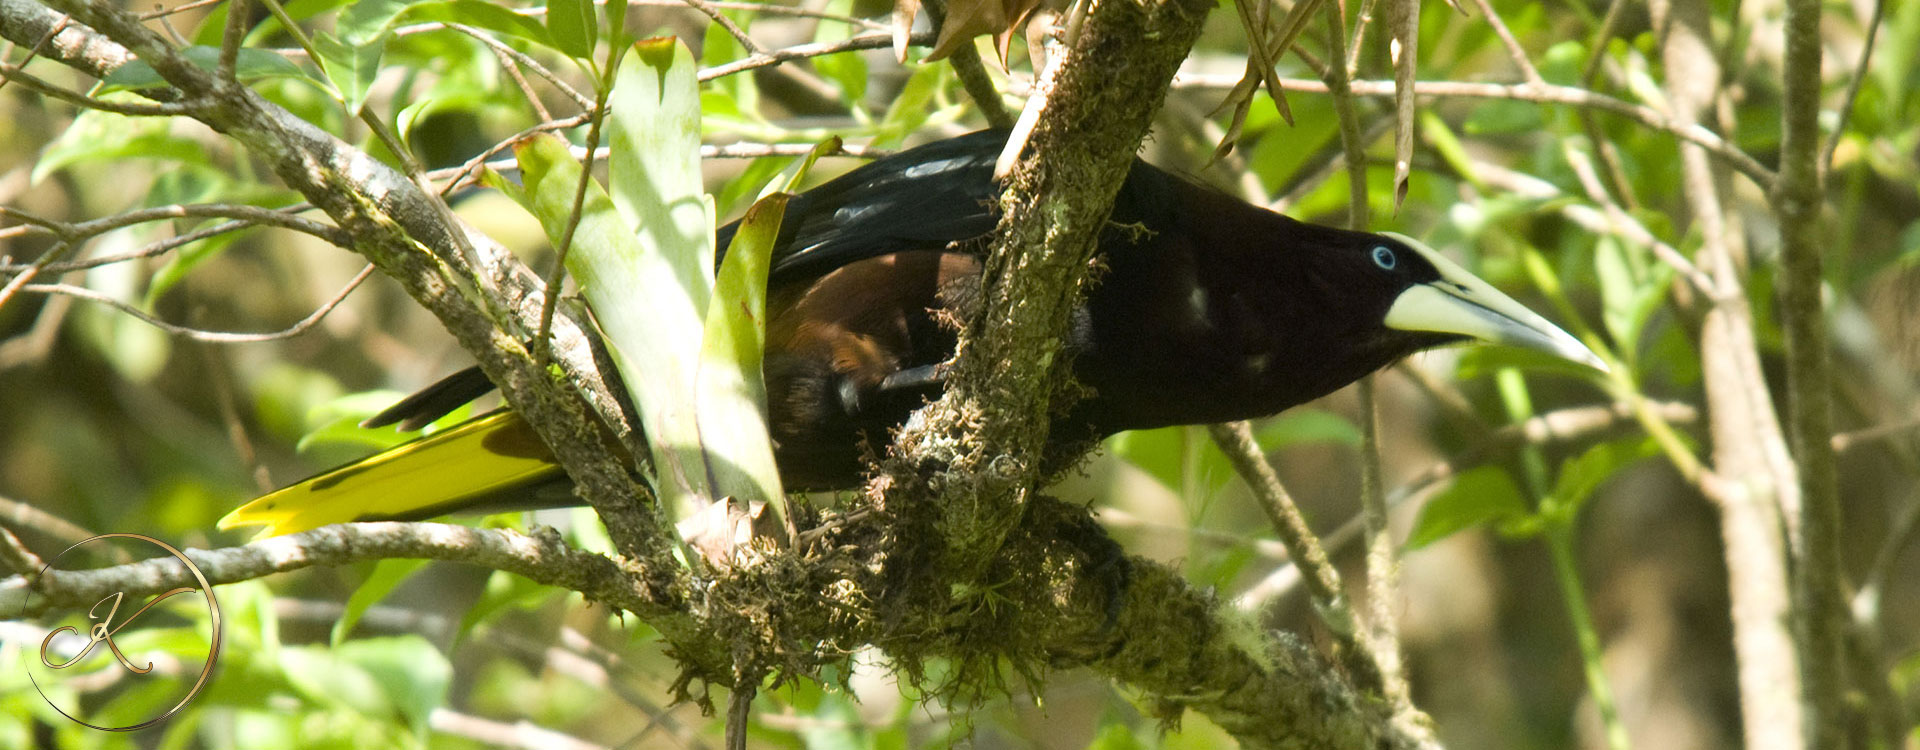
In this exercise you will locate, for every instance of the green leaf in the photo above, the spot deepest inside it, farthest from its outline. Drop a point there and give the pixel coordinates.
(732, 405)
(483, 15)
(136, 349)
(911, 106)
(1483, 360)
(97, 136)
(505, 591)
(387, 575)
(1478, 495)
(1305, 426)
(847, 70)
(251, 64)
(411, 672)
(1161, 453)
(351, 69)
(1581, 475)
(323, 678)
(652, 299)
(366, 21)
(574, 26)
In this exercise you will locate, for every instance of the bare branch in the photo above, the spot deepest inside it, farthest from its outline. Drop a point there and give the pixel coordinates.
(871, 40)
(1741, 161)
(540, 556)
(739, 34)
(14, 74)
(195, 334)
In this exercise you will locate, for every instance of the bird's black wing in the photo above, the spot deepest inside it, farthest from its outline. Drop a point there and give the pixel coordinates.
(923, 198)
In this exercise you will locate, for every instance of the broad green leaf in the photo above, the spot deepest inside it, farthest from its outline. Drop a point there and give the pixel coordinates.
(96, 136)
(1478, 495)
(911, 106)
(507, 591)
(1581, 475)
(350, 68)
(411, 672)
(1304, 426)
(336, 424)
(755, 178)
(387, 575)
(136, 349)
(250, 64)
(652, 300)
(1482, 360)
(574, 25)
(325, 678)
(1442, 140)
(1161, 453)
(1617, 290)
(483, 15)
(732, 395)
(617, 37)
(366, 21)
(847, 70)
(1117, 736)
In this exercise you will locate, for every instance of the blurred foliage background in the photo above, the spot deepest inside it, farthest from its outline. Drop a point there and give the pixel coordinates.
(1517, 546)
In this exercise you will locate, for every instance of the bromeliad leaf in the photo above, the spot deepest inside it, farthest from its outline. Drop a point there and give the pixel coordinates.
(655, 306)
(732, 405)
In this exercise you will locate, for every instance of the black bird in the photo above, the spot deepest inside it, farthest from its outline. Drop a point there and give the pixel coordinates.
(1208, 309)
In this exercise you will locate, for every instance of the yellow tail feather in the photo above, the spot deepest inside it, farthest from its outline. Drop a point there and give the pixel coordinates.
(431, 476)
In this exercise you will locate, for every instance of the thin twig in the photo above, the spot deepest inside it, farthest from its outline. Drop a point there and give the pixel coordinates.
(523, 734)
(1609, 156)
(14, 73)
(1570, 425)
(1625, 225)
(15, 555)
(549, 301)
(520, 81)
(195, 334)
(966, 64)
(874, 40)
(1797, 202)
(162, 247)
(1303, 549)
(1741, 161)
(525, 61)
(1848, 440)
(239, 14)
(739, 34)
(1853, 87)
(252, 215)
(1380, 630)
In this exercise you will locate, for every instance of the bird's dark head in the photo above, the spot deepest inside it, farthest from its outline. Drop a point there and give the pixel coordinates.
(1397, 296)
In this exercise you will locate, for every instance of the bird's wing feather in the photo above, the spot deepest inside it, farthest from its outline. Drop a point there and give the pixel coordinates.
(923, 198)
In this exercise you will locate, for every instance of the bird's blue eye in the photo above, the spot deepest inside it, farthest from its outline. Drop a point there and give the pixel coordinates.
(1384, 257)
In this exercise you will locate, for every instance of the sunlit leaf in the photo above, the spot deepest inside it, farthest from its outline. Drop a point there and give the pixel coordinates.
(351, 68)
(732, 405)
(1476, 496)
(387, 575)
(412, 674)
(249, 65)
(574, 25)
(1581, 475)
(365, 21)
(483, 15)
